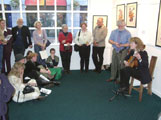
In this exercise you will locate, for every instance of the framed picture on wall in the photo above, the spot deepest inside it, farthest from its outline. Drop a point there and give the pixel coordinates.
(158, 36)
(95, 18)
(120, 12)
(131, 16)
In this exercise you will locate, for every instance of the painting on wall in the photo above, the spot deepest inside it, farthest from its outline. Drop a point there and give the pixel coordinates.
(131, 18)
(158, 36)
(120, 12)
(95, 18)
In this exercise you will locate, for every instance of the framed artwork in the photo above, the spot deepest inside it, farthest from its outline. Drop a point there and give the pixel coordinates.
(131, 18)
(95, 18)
(120, 12)
(158, 36)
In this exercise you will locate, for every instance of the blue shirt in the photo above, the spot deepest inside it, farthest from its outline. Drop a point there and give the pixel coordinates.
(121, 37)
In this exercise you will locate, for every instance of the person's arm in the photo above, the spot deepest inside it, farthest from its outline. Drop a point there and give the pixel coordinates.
(61, 38)
(143, 60)
(69, 38)
(90, 38)
(76, 38)
(29, 37)
(111, 40)
(45, 37)
(35, 39)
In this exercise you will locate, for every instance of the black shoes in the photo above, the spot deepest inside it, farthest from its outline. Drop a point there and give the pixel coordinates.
(56, 83)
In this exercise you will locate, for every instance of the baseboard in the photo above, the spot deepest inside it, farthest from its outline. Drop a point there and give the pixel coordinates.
(156, 93)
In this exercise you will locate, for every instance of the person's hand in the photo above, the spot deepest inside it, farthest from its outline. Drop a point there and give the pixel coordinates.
(117, 45)
(126, 63)
(68, 44)
(0, 82)
(87, 44)
(48, 71)
(64, 41)
(30, 46)
(95, 43)
(4, 43)
(137, 55)
(32, 84)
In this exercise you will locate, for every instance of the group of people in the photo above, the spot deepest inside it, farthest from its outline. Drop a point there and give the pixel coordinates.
(33, 71)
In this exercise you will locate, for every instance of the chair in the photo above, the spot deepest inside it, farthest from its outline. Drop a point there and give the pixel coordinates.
(149, 86)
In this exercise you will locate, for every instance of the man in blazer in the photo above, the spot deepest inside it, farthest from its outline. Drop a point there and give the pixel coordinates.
(21, 38)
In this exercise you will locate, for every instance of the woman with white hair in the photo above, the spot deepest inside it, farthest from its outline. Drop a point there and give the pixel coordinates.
(40, 40)
(65, 39)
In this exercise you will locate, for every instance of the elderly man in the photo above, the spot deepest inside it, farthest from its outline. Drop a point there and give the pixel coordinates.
(119, 39)
(99, 35)
(21, 38)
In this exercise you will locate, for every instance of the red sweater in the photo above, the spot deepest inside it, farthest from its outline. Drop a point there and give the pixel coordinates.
(68, 39)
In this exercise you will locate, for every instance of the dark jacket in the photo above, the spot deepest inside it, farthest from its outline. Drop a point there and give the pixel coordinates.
(6, 91)
(26, 37)
(8, 46)
(52, 63)
(31, 70)
(143, 66)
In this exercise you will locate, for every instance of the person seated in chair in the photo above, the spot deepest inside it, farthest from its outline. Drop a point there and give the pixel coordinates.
(136, 63)
(52, 63)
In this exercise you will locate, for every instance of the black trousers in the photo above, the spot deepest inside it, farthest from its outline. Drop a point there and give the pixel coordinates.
(84, 53)
(6, 61)
(98, 57)
(18, 50)
(125, 75)
(66, 58)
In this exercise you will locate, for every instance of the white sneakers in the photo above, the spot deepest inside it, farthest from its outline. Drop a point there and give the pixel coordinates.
(45, 91)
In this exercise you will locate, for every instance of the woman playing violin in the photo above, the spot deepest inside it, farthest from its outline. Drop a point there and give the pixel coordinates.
(140, 71)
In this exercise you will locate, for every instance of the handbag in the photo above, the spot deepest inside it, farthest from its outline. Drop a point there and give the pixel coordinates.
(28, 89)
(48, 43)
(67, 48)
(76, 47)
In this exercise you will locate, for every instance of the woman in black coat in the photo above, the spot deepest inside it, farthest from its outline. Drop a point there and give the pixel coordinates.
(141, 70)
(33, 71)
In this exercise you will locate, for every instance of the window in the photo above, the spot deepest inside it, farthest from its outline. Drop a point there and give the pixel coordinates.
(52, 13)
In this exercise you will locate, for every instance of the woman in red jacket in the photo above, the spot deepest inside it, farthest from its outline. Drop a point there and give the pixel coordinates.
(65, 39)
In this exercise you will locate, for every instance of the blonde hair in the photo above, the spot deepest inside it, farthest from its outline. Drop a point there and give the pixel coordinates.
(36, 22)
(31, 55)
(139, 42)
(15, 69)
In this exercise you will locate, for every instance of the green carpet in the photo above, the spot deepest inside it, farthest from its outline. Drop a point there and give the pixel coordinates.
(84, 96)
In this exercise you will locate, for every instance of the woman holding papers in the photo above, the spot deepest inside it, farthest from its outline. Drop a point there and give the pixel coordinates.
(7, 47)
(40, 40)
(65, 39)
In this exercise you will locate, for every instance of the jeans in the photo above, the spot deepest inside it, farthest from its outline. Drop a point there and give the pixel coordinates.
(1, 56)
(37, 50)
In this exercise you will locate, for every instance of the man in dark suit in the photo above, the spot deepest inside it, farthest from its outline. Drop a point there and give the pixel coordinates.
(21, 38)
